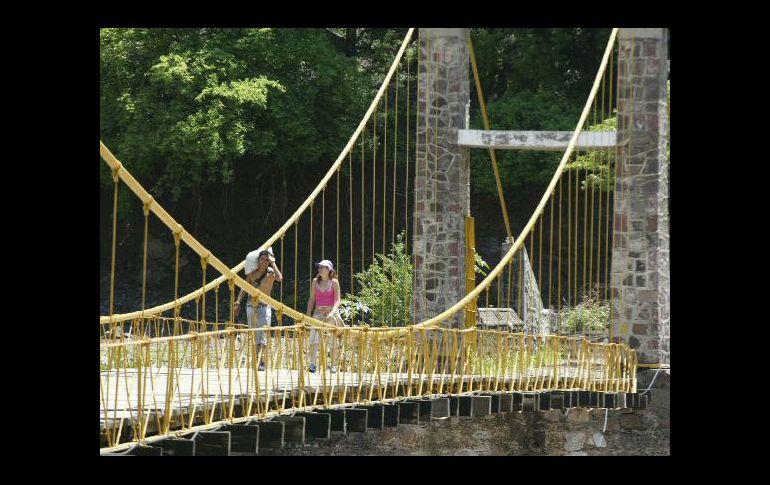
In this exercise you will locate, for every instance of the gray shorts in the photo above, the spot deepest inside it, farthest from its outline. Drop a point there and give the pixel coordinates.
(315, 335)
(259, 317)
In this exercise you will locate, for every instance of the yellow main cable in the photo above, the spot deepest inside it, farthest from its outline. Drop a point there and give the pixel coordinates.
(485, 117)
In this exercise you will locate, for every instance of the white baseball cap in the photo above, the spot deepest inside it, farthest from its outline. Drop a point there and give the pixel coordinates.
(326, 263)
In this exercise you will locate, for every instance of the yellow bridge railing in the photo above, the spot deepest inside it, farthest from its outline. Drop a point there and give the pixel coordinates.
(152, 387)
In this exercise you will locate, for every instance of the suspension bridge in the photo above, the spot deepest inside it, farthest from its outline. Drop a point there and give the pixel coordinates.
(599, 236)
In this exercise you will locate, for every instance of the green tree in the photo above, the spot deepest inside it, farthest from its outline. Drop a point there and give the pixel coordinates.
(597, 165)
(600, 164)
(385, 295)
(533, 79)
(522, 172)
(185, 108)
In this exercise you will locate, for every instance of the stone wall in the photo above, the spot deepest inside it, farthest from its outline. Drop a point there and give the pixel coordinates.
(554, 432)
(442, 197)
(640, 277)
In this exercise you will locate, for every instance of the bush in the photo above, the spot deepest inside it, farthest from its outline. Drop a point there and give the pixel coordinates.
(353, 311)
(589, 316)
(385, 290)
(479, 265)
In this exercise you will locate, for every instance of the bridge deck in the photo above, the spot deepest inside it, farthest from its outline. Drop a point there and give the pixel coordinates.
(194, 390)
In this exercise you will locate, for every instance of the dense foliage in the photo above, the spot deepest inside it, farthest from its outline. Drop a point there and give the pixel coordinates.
(230, 129)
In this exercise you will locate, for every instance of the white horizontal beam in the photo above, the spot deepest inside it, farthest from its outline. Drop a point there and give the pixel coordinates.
(534, 140)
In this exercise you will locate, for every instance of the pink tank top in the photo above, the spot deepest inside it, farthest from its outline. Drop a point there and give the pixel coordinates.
(324, 298)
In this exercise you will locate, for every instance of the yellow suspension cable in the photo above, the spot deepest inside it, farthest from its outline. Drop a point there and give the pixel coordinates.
(499, 282)
(384, 170)
(323, 228)
(146, 209)
(550, 255)
(350, 220)
(337, 221)
(585, 226)
(528, 298)
(520, 308)
(311, 245)
(569, 238)
(594, 294)
(558, 291)
(363, 208)
(406, 182)
(280, 320)
(384, 188)
(395, 162)
(597, 180)
(577, 227)
(485, 117)
(374, 176)
(115, 180)
(540, 259)
(510, 271)
(609, 220)
(204, 266)
(177, 234)
(393, 206)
